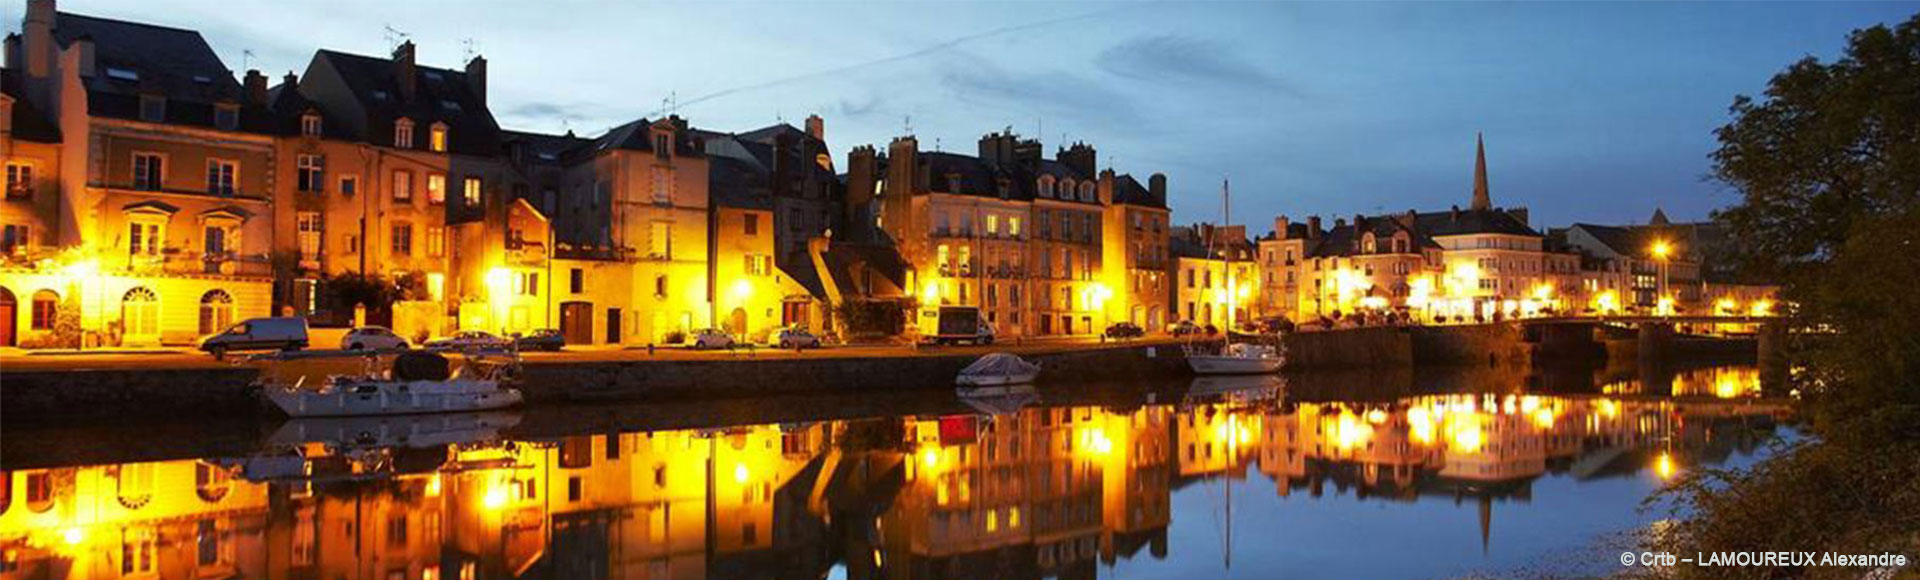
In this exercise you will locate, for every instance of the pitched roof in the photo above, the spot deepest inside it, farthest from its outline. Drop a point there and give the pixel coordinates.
(1128, 191)
(135, 59)
(440, 96)
(29, 124)
(1473, 221)
(735, 183)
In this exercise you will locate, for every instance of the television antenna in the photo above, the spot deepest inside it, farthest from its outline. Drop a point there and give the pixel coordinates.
(395, 36)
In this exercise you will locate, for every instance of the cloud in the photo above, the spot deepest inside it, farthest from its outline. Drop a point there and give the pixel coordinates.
(1166, 58)
(1053, 93)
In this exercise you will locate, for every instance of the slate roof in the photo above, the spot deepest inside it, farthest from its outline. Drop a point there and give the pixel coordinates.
(29, 124)
(969, 175)
(543, 148)
(1128, 191)
(440, 96)
(1346, 240)
(636, 135)
(172, 62)
(1472, 221)
(735, 183)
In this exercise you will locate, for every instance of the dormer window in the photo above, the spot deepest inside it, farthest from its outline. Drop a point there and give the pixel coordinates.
(153, 108)
(1046, 186)
(122, 74)
(310, 124)
(226, 117)
(1086, 191)
(437, 138)
(1066, 188)
(450, 106)
(403, 134)
(661, 146)
(203, 79)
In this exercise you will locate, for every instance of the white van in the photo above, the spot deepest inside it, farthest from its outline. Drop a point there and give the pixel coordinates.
(283, 333)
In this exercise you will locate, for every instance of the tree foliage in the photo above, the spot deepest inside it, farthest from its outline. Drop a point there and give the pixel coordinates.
(1828, 164)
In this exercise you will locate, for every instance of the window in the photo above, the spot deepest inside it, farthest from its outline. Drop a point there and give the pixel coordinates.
(19, 180)
(215, 241)
(1046, 186)
(471, 191)
(220, 176)
(15, 238)
(140, 311)
(153, 108)
(216, 311)
(529, 284)
(403, 239)
(660, 146)
(662, 185)
(660, 291)
(349, 185)
(660, 241)
(148, 170)
(752, 225)
(312, 175)
(436, 241)
(403, 134)
(307, 223)
(993, 225)
(576, 280)
(436, 188)
(437, 138)
(310, 124)
(758, 264)
(402, 185)
(226, 117)
(143, 238)
(122, 74)
(46, 308)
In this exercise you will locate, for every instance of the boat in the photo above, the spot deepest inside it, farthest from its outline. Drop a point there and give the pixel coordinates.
(1240, 358)
(1001, 400)
(1235, 388)
(417, 382)
(998, 369)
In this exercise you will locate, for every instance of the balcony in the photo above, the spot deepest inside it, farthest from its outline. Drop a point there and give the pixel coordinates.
(177, 262)
(524, 253)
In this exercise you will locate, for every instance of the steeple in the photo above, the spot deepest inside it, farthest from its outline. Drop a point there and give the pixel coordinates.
(1482, 201)
(1659, 218)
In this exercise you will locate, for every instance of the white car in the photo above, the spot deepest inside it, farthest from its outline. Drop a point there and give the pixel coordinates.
(796, 338)
(466, 339)
(372, 338)
(706, 338)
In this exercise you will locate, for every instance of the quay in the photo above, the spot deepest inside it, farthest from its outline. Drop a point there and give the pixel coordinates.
(38, 389)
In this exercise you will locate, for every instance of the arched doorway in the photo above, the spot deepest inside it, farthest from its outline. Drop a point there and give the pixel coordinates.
(216, 311)
(1155, 319)
(140, 316)
(737, 322)
(8, 308)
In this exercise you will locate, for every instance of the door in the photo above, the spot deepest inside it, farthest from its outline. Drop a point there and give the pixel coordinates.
(737, 323)
(613, 325)
(7, 318)
(576, 322)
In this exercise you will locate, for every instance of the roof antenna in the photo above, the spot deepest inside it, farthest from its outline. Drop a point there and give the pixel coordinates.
(466, 47)
(246, 59)
(394, 37)
(906, 125)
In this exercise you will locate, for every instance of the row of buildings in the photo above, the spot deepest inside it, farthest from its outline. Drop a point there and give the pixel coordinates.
(1037, 492)
(151, 198)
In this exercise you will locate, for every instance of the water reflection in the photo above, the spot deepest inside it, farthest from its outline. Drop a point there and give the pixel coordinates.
(1000, 484)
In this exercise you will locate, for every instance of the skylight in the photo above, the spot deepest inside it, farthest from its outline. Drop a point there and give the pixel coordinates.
(122, 74)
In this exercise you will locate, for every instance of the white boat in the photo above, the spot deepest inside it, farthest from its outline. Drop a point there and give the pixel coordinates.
(1240, 358)
(998, 400)
(998, 369)
(477, 385)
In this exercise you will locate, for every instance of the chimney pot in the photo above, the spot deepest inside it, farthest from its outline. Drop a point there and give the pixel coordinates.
(256, 87)
(817, 127)
(477, 78)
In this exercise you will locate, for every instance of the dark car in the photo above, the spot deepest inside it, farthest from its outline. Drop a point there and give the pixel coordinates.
(546, 339)
(1183, 328)
(1125, 330)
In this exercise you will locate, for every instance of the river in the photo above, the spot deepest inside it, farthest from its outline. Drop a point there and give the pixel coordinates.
(1434, 473)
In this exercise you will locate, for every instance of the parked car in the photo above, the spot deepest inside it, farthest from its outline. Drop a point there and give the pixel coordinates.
(372, 338)
(1183, 328)
(547, 339)
(706, 338)
(282, 333)
(468, 339)
(796, 338)
(1119, 330)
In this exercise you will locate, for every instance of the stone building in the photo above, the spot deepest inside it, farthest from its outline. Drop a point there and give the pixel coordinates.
(140, 181)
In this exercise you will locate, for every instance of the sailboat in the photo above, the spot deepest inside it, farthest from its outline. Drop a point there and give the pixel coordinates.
(1234, 358)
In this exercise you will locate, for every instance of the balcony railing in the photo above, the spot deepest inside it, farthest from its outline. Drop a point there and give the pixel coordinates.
(526, 253)
(180, 262)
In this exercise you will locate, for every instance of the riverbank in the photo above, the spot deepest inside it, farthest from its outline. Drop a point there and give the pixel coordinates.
(201, 389)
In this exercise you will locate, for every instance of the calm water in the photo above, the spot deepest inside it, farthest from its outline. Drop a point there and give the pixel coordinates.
(1398, 475)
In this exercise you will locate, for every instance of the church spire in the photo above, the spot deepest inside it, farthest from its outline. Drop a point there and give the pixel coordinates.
(1659, 218)
(1481, 199)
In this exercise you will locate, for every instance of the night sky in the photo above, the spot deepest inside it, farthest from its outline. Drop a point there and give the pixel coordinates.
(1594, 112)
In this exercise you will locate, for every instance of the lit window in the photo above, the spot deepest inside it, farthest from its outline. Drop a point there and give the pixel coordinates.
(402, 185)
(437, 137)
(470, 191)
(436, 188)
(19, 180)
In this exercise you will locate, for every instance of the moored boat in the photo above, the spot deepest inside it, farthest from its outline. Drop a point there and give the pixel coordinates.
(1240, 358)
(997, 369)
(418, 382)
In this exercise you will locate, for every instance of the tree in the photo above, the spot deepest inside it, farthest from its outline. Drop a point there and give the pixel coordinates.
(1828, 164)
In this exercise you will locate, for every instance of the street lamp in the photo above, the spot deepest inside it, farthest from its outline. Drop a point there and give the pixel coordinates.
(1661, 250)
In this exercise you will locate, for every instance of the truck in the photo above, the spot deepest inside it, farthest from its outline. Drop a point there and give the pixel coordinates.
(957, 324)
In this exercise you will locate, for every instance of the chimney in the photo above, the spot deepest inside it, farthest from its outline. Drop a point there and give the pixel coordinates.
(291, 81)
(1409, 219)
(1339, 223)
(1157, 185)
(1519, 213)
(1313, 227)
(817, 128)
(1455, 215)
(477, 78)
(1080, 157)
(997, 148)
(403, 70)
(38, 31)
(1105, 189)
(862, 173)
(84, 46)
(256, 87)
(1280, 227)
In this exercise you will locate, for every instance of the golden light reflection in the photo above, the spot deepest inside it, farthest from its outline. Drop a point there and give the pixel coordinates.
(1663, 466)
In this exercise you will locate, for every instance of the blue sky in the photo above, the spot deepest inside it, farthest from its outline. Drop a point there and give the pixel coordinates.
(1593, 112)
